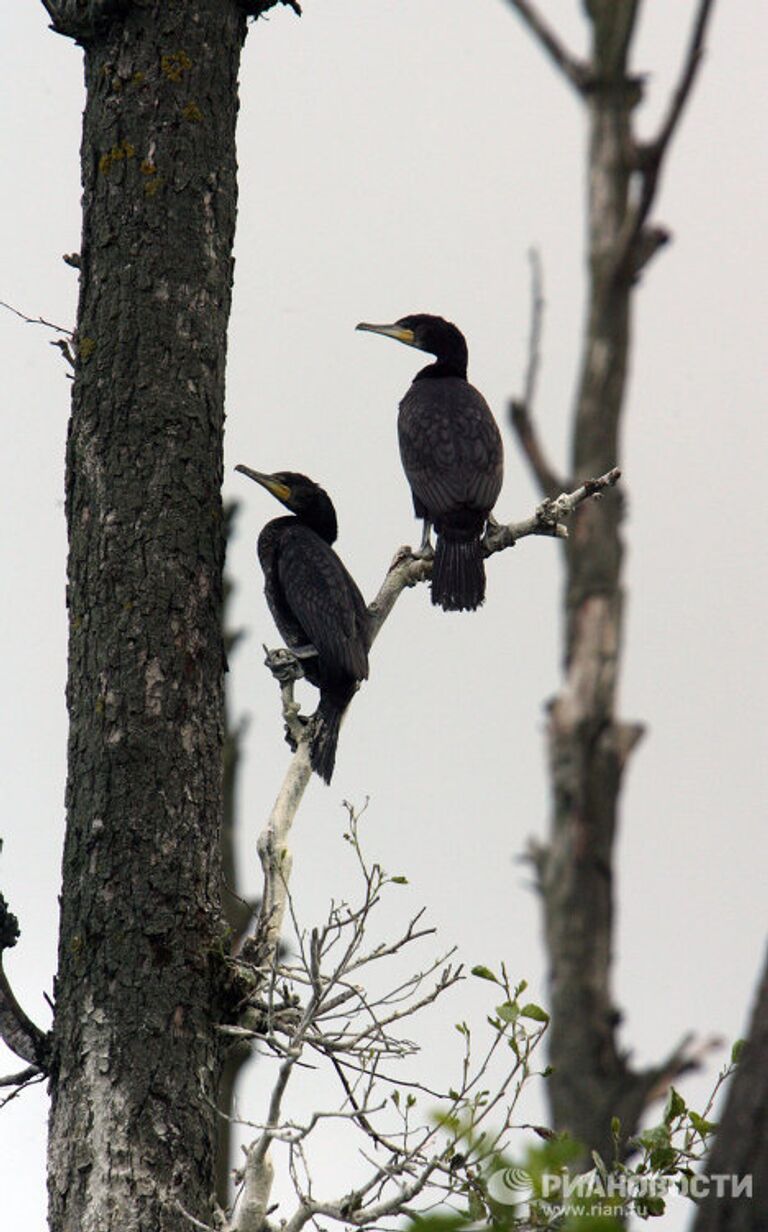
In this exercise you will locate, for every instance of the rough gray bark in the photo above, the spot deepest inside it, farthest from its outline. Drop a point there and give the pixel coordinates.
(138, 992)
(589, 745)
(741, 1143)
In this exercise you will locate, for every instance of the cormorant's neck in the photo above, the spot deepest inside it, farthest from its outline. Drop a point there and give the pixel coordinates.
(441, 368)
(321, 518)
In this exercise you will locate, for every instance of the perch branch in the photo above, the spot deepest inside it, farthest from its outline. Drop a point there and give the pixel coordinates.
(407, 569)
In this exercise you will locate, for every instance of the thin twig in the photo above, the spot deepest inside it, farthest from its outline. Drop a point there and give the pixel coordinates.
(60, 329)
(25, 1078)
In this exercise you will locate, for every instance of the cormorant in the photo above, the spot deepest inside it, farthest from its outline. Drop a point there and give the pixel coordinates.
(452, 455)
(315, 603)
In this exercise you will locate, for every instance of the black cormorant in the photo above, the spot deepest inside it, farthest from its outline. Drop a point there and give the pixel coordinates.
(452, 455)
(315, 603)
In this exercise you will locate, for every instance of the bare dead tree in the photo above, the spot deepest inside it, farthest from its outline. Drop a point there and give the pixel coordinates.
(589, 746)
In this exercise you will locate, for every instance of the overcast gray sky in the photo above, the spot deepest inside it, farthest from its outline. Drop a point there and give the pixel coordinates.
(401, 157)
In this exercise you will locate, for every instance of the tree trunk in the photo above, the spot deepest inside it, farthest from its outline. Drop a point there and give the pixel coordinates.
(136, 1058)
(741, 1145)
(589, 745)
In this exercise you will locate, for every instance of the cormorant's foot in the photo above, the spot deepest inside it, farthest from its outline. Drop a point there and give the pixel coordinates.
(297, 720)
(496, 536)
(304, 652)
(284, 664)
(425, 551)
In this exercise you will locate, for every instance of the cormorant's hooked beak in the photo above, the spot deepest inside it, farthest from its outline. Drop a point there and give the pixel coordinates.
(273, 485)
(391, 331)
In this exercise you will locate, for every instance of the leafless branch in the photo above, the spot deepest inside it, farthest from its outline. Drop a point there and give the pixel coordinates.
(60, 329)
(651, 157)
(522, 422)
(25, 1078)
(316, 1009)
(687, 1057)
(690, 68)
(537, 322)
(521, 409)
(62, 344)
(17, 1030)
(574, 70)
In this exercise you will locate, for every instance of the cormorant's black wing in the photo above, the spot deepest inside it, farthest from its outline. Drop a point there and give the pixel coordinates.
(450, 445)
(325, 600)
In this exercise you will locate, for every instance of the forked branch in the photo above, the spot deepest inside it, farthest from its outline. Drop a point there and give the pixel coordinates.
(574, 70)
(636, 247)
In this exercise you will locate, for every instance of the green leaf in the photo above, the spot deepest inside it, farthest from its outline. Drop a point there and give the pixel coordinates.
(675, 1108)
(599, 1163)
(395, 1097)
(737, 1050)
(535, 1012)
(655, 1137)
(399, 880)
(615, 1127)
(649, 1206)
(662, 1157)
(701, 1126)
(484, 973)
(509, 1011)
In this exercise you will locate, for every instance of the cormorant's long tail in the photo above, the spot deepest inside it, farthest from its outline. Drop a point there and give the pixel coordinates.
(458, 573)
(325, 736)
